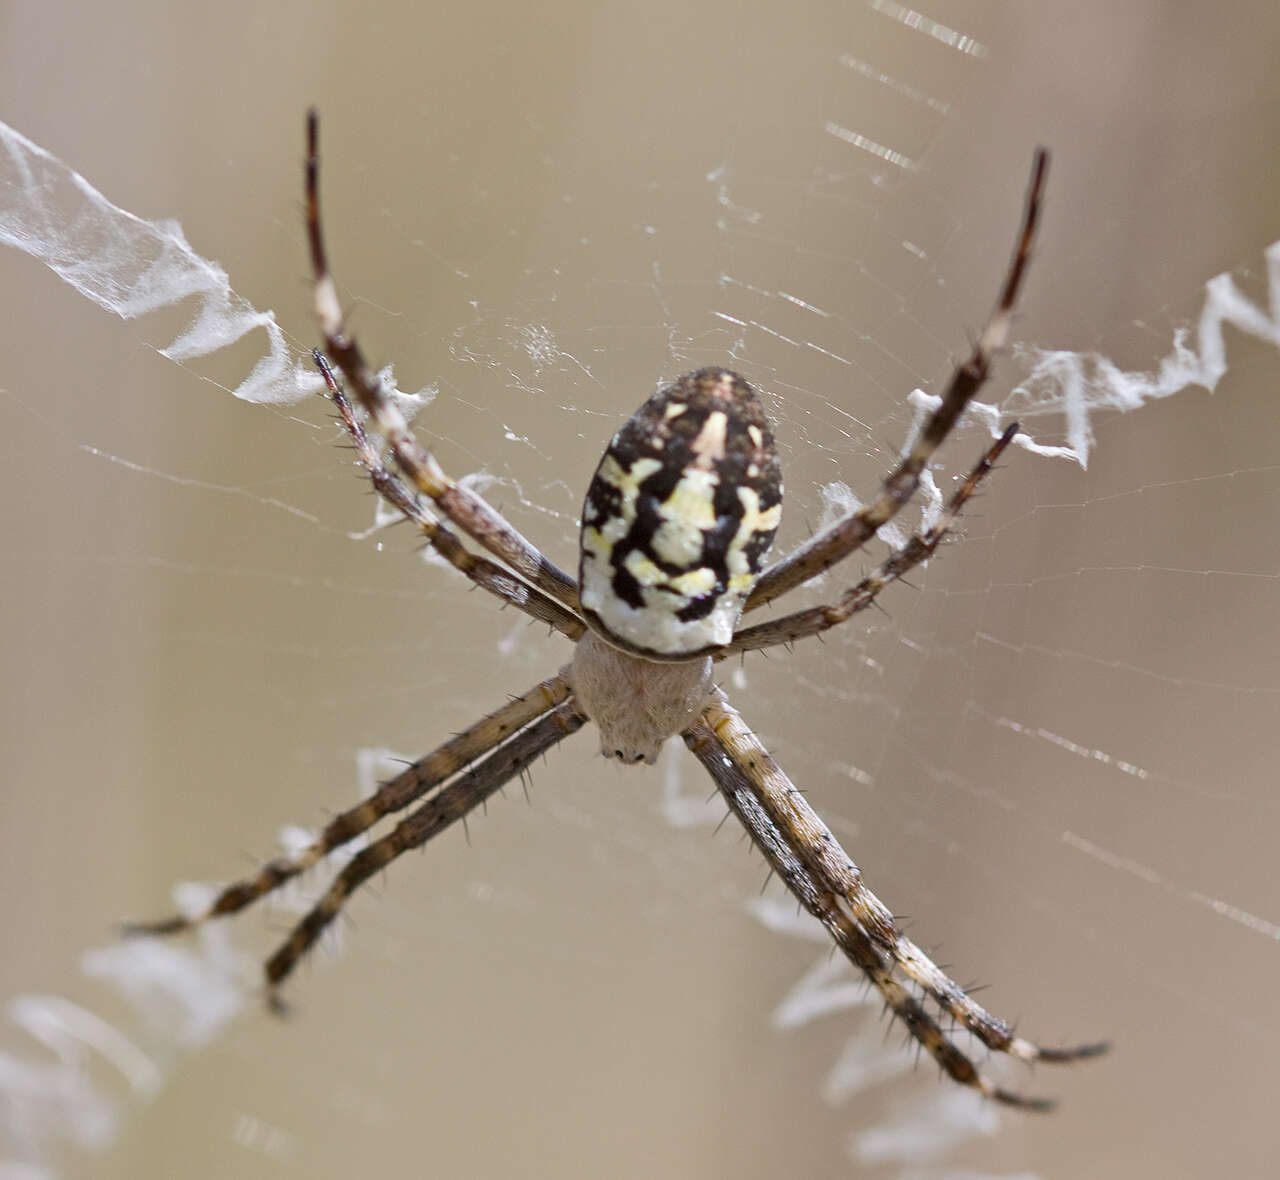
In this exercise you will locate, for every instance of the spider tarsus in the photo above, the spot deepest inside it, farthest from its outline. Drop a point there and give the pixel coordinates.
(1073, 1053)
(276, 1003)
(175, 924)
(1022, 1101)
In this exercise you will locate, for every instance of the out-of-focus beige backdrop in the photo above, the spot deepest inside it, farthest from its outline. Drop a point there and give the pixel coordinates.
(1055, 756)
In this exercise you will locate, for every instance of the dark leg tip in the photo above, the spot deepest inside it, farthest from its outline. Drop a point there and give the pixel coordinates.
(1022, 1102)
(1075, 1052)
(164, 926)
(276, 1003)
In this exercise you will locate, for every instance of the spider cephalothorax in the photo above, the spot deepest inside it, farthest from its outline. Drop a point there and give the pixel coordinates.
(677, 522)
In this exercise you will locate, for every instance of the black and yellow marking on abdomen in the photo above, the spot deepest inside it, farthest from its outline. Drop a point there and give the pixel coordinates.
(679, 516)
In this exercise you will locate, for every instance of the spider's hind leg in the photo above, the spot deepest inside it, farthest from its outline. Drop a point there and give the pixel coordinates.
(827, 883)
(394, 795)
(447, 806)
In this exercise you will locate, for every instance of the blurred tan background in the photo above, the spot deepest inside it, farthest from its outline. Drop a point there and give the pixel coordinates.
(1055, 756)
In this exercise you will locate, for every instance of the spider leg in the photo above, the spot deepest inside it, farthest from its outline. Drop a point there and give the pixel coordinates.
(451, 803)
(814, 620)
(829, 885)
(395, 794)
(464, 508)
(821, 552)
(488, 575)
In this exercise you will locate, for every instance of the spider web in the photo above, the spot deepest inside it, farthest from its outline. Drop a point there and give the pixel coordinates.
(1052, 754)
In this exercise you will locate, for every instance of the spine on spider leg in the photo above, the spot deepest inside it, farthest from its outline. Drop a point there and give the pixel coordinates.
(970, 376)
(447, 760)
(466, 510)
(815, 620)
(823, 551)
(488, 575)
(786, 858)
(832, 867)
(446, 807)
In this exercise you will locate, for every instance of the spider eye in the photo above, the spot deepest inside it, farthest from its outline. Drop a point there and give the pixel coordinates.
(679, 517)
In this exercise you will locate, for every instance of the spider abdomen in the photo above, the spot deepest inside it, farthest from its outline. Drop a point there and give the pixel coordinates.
(679, 517)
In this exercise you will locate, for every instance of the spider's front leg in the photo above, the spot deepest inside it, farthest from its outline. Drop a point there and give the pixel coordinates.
(486, 574)
(804, 853)
(823, 551)
(816, 619)
(464, 508)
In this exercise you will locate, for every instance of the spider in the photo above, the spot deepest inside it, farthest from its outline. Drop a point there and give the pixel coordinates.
(676, 524)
